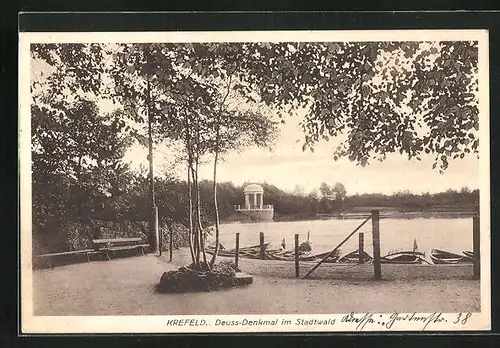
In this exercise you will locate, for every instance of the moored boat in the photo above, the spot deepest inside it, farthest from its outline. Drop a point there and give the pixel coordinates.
(288, 255)
(403, 257)
(468, 254)
(440, 257)
(249, 252)
(331, 258)
(353, 257)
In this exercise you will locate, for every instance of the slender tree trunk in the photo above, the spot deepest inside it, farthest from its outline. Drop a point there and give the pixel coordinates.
(153, 223)
(198, 227)
(190, 211)
(170, 232)
(216, 207)
(216, 158)
(79, 198)
(198, 214)
(190, 196)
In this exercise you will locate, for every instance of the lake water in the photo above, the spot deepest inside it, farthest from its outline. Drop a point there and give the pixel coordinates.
(452, 235)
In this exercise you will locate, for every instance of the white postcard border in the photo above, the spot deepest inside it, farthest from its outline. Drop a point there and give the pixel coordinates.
(159, 324)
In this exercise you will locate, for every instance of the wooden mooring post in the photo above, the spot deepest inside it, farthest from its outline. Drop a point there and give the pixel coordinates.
(237, 254)
(376, 244)
(361, 247)
(262, 246)
(337, 247)
(476, 246)
(297, 267)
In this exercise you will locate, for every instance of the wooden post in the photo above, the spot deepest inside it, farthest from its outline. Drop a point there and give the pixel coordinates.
(237, 254)
(337, 247)
(297, 269)
(475, 247)
(171, 245)
(262, 246)
(361, 247)
(154, 231)
(376, 244)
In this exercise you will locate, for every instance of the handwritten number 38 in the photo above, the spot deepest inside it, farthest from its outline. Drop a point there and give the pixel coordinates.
(464, 319)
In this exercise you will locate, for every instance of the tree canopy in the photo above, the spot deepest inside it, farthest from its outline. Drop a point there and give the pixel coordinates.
(409, 97)
(382, 97)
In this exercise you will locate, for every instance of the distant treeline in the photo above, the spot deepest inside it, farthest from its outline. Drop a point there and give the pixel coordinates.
(67, 217)
(465, 199)
(299, 205)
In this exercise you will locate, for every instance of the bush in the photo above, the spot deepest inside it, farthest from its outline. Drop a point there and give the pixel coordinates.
(179, 234)
(125, 229)
(74, 235)
(189, 279)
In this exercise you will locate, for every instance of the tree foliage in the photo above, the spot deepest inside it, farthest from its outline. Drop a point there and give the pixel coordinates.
(383, 97)
(409, 97)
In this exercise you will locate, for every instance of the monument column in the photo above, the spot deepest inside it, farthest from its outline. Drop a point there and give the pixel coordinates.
(247, 200)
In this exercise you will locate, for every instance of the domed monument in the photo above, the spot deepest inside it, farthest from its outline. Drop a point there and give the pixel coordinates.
(254, 207)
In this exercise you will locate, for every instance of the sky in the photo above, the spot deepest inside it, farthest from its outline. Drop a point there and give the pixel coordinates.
(288, 167)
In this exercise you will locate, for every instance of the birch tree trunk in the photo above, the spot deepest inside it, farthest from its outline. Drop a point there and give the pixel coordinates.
(216, 158)
(198, 214)
(216, 207)
(190, 212)
(196, 226)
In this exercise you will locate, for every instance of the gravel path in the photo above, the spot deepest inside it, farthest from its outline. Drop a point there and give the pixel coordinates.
(125, 287)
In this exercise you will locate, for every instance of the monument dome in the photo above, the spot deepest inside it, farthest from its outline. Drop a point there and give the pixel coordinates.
(254, 206)
(253, 188)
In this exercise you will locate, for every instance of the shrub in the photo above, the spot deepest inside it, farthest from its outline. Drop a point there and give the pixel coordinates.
(187, 279)
(179, 234)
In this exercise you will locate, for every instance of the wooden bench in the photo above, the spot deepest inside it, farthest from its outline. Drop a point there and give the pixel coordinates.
(99, 247)
(110, 246)
(48, 259)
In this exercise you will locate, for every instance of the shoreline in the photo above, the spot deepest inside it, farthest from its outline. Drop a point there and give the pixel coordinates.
(337, 272)
(384, 214)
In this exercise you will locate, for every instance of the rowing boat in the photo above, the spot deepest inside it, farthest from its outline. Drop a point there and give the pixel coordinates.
(250, 251)
(440, 257)
(288, 255)
(469, 254)
(283, 255)
(333, 257)
(353, 257)
(403, 257)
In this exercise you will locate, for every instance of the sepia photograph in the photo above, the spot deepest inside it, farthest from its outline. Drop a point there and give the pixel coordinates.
(274, 181)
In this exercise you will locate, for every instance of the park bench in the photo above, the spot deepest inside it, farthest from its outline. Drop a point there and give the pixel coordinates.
(115, 245)
(103, 247)
(51, 259)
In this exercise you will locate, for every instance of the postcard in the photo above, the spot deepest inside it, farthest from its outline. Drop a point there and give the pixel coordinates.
(254, 181)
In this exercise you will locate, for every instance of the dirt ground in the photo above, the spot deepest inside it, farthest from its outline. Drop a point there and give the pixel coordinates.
(126, 287)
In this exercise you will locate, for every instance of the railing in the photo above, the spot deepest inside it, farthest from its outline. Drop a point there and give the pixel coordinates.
(253, 207)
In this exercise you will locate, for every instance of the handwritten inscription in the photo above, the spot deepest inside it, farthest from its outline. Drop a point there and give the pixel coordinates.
(426, 320)
(351, 321)
(361, 321)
